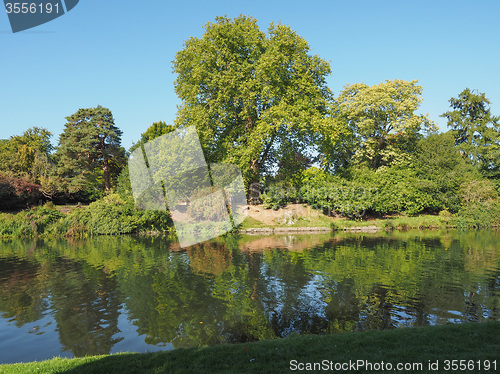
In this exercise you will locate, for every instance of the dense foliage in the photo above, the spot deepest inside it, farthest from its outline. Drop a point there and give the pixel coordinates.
(476, 130)
(111, 215)
(89, 152)
(410, 171)
(260, 100)
(256, 100)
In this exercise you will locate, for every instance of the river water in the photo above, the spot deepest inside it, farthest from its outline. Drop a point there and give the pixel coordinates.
(114, 294)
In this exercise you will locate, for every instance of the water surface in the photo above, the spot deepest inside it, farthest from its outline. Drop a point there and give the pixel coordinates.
(113, 294)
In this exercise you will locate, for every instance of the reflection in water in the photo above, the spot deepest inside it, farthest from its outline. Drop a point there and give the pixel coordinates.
(143, 294)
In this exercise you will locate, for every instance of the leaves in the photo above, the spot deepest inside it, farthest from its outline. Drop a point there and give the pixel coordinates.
(248, 92)
(476, 130)
(383, 119)
(89, 152)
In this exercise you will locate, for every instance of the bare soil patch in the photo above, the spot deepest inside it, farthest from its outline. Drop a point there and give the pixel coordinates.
(270, 216)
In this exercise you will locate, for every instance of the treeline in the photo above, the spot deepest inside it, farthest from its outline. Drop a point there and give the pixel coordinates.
(87, 166)
(260, 101)
(82, 168)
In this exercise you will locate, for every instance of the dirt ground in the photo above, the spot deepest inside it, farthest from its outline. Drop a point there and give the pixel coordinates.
(268, 216)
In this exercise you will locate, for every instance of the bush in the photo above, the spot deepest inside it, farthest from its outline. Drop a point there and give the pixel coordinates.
(277, 196)
(336, 195)
(400, 191)
(43, 217)
(17, 192)
(481, 215)
(481, 203)
(10, 226)
(386, 190)
(108, 216)
(29, 223)
(153, 220)
(111, 215)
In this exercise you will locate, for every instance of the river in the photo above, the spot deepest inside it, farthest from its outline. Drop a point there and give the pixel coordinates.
(113, 294)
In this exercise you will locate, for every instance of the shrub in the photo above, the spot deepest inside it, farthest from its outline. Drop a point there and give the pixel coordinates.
(336, 195)
(481, 214)
(111, 215)
(400, 191)
(204, 207)
(481, 203)
(17, 192)
(43, 217)
(108, 216)
(153, 220)
(11, 226)
(386, 190)
(277, 196)
(32, 222)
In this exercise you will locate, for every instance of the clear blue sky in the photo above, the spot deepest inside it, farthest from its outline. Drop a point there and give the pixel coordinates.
(118, 53)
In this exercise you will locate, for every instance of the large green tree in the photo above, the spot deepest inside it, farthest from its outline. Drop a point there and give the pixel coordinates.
(383, 121)
(251, 95)
(89, 153)
(156, 130)
(27, 166)
(19, 154)
(441, 170)
(476, 130)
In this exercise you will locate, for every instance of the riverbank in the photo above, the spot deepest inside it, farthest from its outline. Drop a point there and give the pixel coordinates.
(111, 215)
(474, 345)
(301, 218)
(115, 215)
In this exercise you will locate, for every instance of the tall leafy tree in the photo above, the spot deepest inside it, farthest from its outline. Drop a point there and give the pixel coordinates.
(155, 130)
(19, 153)
(89, 152)
(476, 130)
(441, 170)
(247, 92)
(27, 166)
(383, 120)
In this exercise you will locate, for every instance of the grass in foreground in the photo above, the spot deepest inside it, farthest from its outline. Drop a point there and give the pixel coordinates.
(472, 342)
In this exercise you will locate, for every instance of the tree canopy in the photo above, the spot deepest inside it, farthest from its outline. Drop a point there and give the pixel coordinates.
(476, 130)
(259, 99)
(19, 153)
(250, 95)
(89, 152)
(383, 121)
(152, 132)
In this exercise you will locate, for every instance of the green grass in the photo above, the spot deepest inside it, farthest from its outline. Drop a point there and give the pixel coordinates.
(313, 221)
(250, 222)
(397, 222)
(406, 345)
(424, 221)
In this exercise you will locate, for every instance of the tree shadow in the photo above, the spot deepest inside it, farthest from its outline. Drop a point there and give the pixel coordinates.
(123, 364)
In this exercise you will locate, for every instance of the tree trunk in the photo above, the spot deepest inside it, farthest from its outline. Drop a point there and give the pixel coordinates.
(254, 188)
(105, 166)
(107, 178)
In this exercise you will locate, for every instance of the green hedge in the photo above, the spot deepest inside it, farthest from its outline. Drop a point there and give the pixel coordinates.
(111, 215)
(389, 190)
(30, 222)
